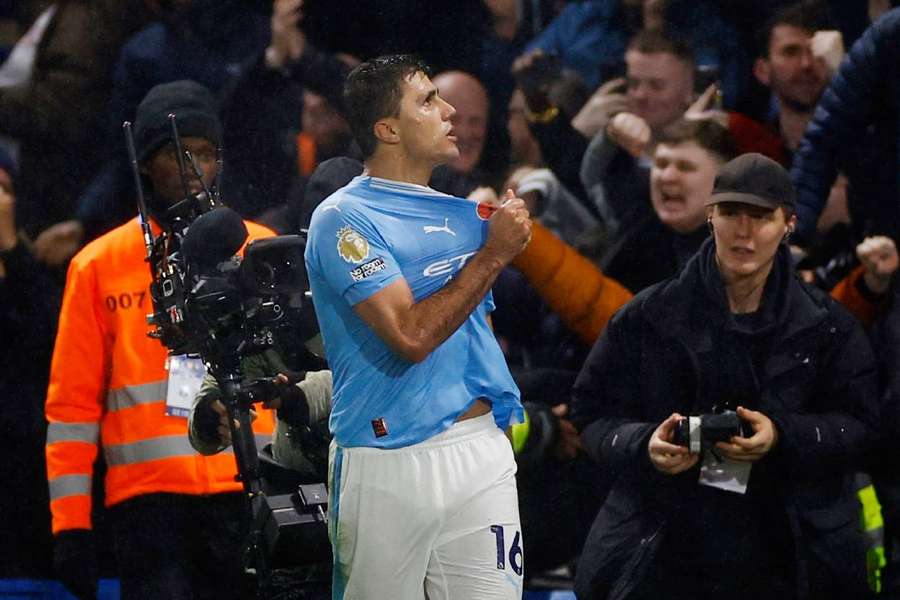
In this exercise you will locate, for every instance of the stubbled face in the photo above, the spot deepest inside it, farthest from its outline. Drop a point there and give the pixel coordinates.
(523, 146)
(470, 120)
(660, 86)
(795, 76)
(162, 169)
(747, 238)
(424, 122)
(681, 181)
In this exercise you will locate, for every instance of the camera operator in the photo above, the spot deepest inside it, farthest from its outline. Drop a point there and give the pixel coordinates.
(302, 403)
(177, 517)
(767, 513)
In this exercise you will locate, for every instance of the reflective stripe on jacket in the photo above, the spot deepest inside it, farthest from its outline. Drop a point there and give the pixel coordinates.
(108, 389)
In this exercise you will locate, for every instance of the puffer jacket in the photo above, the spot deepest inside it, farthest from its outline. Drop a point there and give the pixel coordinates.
(856, 129)
(661, 354)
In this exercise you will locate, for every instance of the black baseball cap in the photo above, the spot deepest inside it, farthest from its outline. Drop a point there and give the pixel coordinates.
(753, 179)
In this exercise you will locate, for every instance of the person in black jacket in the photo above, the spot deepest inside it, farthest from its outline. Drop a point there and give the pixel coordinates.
(770, 511)
(30, 296)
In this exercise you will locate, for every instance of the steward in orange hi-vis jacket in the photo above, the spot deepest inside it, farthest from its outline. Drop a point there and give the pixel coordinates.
(176, 516)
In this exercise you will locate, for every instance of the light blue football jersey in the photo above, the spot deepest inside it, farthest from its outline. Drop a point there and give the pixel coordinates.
(361, 239)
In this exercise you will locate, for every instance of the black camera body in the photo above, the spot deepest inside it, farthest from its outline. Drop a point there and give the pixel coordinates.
(239, 309)
(701, 432)
(210, 302)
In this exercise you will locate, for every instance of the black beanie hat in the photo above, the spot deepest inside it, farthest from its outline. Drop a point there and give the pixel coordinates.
(195, 114)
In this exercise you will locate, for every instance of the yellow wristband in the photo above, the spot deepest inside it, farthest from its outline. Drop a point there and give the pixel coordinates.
(544, 116)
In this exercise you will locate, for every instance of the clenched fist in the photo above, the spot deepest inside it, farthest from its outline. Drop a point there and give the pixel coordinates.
(509, 230)
(629, 131)
(878, 254)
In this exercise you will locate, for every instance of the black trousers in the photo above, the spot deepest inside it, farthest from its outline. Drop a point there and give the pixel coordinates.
(753, 585)
(180, 547)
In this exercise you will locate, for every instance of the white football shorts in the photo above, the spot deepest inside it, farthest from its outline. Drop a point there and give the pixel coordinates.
(436, 520)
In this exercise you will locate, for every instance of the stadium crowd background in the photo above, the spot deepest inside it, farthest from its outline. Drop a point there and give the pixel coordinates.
(608, 116)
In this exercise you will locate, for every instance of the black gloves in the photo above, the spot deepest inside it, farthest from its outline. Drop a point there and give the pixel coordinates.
(206, 422)
(75, 562)
(294, 410)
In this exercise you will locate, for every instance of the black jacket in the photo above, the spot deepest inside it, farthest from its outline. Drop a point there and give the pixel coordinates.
(647, 251)
(664, 352)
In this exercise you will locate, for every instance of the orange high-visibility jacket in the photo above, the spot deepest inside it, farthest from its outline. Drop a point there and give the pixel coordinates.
(108, 387)
(867, 310)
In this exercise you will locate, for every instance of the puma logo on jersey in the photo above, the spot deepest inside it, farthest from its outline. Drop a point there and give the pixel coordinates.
(435, 228)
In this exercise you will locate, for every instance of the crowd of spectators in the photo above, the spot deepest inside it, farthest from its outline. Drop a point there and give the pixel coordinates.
(610, 118)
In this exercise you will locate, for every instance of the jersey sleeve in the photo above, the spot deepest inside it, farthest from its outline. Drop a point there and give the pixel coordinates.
(351, 255)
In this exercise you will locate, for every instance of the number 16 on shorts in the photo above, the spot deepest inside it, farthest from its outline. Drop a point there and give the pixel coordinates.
(514, 553)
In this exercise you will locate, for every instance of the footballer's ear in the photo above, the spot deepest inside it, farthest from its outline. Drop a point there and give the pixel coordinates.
(386, 131)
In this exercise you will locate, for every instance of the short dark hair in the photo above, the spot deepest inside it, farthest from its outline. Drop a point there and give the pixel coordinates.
(706, 133)
(649, 41)
(808, 16)
(373, 91)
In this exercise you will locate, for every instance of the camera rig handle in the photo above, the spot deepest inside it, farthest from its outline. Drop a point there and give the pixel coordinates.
(246, 456)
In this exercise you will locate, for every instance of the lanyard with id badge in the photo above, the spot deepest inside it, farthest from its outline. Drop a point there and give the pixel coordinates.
(185, 378)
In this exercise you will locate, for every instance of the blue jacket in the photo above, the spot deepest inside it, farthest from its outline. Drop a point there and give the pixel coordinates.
(590, 38)
(856, 129)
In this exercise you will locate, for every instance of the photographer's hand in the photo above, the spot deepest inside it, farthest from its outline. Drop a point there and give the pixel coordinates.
(665, 456)
(223, 431)
(755, 447)
(276, 400)
(289, 400)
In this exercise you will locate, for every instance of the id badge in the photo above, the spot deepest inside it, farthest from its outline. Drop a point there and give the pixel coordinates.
(720, 472)
(185, 378)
